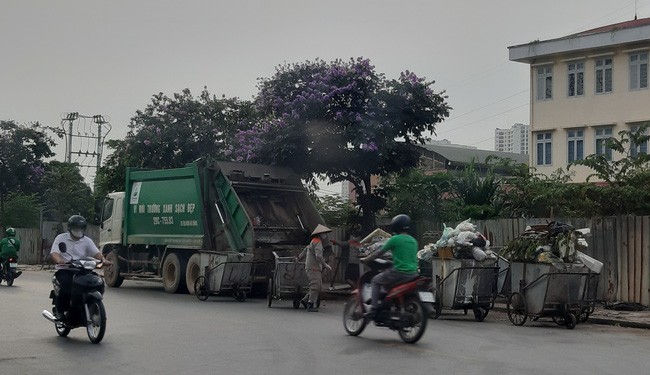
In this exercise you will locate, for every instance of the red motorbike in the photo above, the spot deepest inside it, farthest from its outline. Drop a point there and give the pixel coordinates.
(404, 308)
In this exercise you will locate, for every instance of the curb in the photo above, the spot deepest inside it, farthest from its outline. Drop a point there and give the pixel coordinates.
(618, 323)
(598, 320)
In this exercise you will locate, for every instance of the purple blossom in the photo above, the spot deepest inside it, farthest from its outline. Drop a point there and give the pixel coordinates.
(147, 142)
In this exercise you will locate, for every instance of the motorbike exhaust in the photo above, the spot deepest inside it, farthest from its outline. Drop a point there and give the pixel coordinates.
(48, 315)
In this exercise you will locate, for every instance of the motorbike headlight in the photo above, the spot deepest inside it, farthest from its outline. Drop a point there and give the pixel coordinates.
(89, 264)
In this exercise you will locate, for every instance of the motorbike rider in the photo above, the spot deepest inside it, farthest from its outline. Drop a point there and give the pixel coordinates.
(9, 247)
(314, 264)
(77, 246)
(404, 249)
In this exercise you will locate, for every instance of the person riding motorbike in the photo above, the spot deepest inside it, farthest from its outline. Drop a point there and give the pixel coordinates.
(9, 247)
(77, 246)
(403, 248)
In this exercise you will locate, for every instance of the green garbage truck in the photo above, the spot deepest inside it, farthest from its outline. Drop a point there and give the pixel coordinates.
(165, 221)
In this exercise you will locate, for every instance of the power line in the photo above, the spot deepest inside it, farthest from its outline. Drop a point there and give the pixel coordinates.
(488, 105)
(485, 118)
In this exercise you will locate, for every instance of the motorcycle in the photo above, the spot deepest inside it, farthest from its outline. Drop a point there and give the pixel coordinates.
(85, 308)
(8, 270)
(404, 308)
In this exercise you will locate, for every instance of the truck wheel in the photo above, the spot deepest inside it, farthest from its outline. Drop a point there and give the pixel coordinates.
(173, 273)
(193, 271)
(112, 272)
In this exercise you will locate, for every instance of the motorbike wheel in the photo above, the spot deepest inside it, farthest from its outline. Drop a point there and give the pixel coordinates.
(96, 325)
(61, 329)
(416, 317)
(9, 276)
(353, 320)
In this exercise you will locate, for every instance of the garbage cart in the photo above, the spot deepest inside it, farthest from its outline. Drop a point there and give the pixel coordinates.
(464, 284)
(590, 296)
(225, 272)
(547, 290)
(288, 280)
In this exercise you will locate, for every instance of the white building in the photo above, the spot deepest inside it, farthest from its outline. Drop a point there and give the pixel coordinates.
(586, 88)
(513, 140)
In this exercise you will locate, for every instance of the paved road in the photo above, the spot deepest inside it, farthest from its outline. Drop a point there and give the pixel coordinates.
(151, 332)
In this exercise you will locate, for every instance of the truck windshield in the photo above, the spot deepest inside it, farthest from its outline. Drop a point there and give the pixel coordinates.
(107, 210)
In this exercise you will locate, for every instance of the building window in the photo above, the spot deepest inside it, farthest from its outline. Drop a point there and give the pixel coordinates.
(545, 82)
(602, 135)
(576, 142)
(641, 148)
(576, 79)
(603, 76)
(639, 71)
(544, 150)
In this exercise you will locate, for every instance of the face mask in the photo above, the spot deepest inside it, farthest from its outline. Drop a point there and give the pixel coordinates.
(77, 233)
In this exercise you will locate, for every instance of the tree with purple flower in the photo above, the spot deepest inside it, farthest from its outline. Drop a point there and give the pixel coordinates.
(344, 121)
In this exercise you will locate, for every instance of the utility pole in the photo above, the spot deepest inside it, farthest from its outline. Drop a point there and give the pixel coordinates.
(80, 138)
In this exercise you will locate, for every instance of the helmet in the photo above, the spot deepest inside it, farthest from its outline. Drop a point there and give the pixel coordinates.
(10, 232)
(77, 222)
(400, 223)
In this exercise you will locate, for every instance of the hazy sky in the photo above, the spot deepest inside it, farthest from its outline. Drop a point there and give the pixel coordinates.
(110, 57)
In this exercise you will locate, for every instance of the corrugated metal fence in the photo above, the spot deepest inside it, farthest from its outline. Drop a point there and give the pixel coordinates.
(35, 245)
(622, 243)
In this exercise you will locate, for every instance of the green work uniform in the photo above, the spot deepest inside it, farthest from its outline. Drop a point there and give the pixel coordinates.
(404, 249)
(9, 247)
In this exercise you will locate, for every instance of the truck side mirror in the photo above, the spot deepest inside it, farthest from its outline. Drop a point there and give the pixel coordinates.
(62, 247)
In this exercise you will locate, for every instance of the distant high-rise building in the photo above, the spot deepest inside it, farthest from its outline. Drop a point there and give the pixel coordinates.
(513, 140)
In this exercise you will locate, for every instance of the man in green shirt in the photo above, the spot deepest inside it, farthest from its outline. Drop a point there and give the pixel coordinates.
(404, 249)
(9, 247)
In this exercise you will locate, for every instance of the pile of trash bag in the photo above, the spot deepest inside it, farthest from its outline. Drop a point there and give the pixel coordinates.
(374, 241)
(464, 241)
(554, 242)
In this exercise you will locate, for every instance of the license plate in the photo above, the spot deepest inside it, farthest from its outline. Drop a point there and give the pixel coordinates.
(13, 265)
(426, 297)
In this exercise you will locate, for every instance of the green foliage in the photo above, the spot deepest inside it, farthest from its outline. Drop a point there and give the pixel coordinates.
(335, 211)
(22, 151)
(630, 168)
(173, 131)
(477, 193)
(66, 193)
(416, 194)
(21, 211)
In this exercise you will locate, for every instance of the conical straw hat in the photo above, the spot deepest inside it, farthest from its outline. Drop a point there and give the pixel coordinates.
(320, 228)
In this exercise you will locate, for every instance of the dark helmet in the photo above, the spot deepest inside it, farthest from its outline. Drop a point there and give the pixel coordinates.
(10, 232)
(77, 222)
(400, 223)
